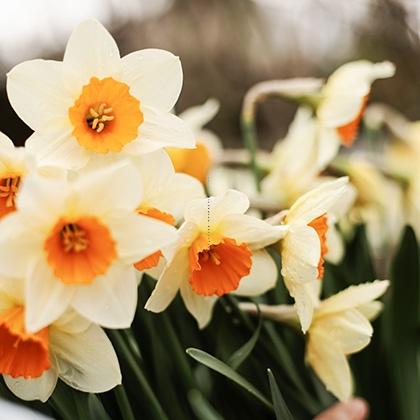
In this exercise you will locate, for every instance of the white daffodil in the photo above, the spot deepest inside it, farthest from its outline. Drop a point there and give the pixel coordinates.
(165, 194)
(197, 162)
(219, 251)
(340, 327)
(71, 348)
(304, 246)
(95, 102)
(75, 244)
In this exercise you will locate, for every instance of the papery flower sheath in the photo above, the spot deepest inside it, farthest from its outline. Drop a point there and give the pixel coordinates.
(219, 251)
(71, 348)
(75, 244)
(95, 102)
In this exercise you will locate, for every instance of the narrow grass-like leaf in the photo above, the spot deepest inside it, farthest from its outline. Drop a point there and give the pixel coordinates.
(280, 408)
(225, 370)
(201, 407)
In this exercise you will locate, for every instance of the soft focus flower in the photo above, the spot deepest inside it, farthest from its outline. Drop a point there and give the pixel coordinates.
(75, 244)
(197, 162)
(219, 251)
(94, 102)
(304, 246)
(340, 327)
(165, 194)
(71, 348)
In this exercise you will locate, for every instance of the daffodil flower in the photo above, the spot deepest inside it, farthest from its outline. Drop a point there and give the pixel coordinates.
(340, 327)
(219, 251)
(95, 102)
(304, 246)
(165, 195)
(71, 348)
(75, 244)
(197, 162)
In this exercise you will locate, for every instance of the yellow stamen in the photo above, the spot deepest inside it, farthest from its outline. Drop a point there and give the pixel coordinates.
(96, 118)
(74, 238)
(8, 190)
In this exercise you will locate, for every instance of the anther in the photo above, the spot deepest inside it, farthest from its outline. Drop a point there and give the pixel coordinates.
(97, 118)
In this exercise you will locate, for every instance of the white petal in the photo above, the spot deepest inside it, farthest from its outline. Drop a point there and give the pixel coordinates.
(340, 109)
(281, 313)
(86, 361)
(214, 209)
(198, 116)
(328, 145)
(175, 273)
(335, 245)
(200, 307)
(111, 299)
(71, 322)
(90, 52)
(249, 230)
(139, 236)
(5, 143)
(349, 329)
(46, 297)
(37, 92)
(354, 296)
(33, 389)
(263, 276)
(371, 310)
(317, 202)
(330, 364)
(154, 77)
(160, 129)
(112, 188)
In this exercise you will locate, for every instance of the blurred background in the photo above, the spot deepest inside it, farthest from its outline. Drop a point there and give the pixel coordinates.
(228, 45)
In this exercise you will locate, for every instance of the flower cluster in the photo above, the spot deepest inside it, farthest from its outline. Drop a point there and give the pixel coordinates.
(112, 185)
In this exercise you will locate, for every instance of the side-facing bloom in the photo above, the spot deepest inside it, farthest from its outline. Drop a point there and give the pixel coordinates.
(165, 194)
(197, 162)
(219, 251)
(340, 328)
(71, 348)
(75, 244)
(95, 102)
(304, 246)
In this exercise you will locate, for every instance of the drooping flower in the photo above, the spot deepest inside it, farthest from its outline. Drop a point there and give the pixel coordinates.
(197, 162)
(304, 246)
(75, 244)
(95, 102)
(71, 348)
(340, 328)
(165, 194)
(219, 251)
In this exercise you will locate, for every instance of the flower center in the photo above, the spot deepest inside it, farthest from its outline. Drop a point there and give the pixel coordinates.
(80, 250)
(22, 354)
(98, 117)
(74, 238)
(105, 117)
(9, 187)
(320, 224)
(216, 269)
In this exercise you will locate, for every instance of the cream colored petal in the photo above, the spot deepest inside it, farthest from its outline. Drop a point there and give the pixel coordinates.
(111, 299)
(175, 273)
(263, 276)
(340, 109)
(198, 116)
(71, 322)
(349, 329)
(139, 236)
(33, 389)
(330, 364)
(46, 297)
(317, 202)
(37, 92)
(214, 209)
(86, 361)
(354, 296)
(5, 143)
(335, 245)
(200, 307)
(371, 310)
(328, 144)
(249, 230)
(154, 77)
(90, 52)
(280, 313)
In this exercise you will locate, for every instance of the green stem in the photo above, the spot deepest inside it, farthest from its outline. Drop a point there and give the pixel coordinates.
(123, 403)
(147, 391)
(249, 133)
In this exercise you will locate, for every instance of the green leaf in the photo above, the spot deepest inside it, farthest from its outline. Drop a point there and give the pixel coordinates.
(402, 317)
(201, 407)
(225, 370)
(240, 355)
(280, 408)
